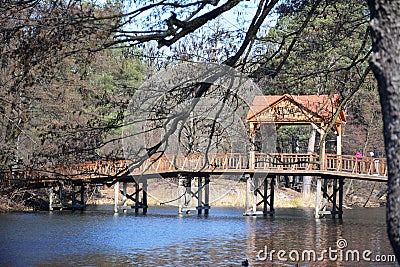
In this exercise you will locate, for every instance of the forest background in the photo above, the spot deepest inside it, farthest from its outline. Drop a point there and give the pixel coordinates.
(70, 68)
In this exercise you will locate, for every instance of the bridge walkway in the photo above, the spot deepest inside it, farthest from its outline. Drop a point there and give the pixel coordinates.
(259, 171)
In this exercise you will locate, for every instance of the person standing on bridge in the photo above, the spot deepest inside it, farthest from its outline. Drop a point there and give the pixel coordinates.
(376, 160)
(358, 156)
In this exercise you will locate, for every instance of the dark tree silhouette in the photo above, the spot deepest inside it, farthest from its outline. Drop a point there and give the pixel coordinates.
(385, 61)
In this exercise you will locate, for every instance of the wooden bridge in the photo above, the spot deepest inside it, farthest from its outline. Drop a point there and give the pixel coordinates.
(257, 169)
(260, 171)
(368, 168)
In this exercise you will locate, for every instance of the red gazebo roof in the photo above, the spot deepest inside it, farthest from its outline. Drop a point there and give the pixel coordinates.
(319, 106)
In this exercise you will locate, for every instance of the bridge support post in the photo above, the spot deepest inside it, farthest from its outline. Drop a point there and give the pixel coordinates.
(207, 195)
(116, 194)
(318, 199)
(60, 193)
(144, 197)
(271, 197)
(138, 197)
(203, 205)
(139, 200)
(333, 199)
(124, 198)
(56, 197)
(199, 195)
(247, 210)
(73, 197)
(251, 196)
(341, 183)
(78, 203)
(82, 202)
(253, 186)
(185, 194)
(181, 193)
(51, 198)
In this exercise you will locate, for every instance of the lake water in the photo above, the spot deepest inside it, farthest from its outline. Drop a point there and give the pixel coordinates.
(97, 237)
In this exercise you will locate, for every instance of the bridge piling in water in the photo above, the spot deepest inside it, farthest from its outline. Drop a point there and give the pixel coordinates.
(318, 199)
(269, 204)
(333, 199)
(253, 190)
(116, 194)
(60, 199)
(78, 203)
(51, 198)
(199, 195)
(124, 198)
(138, 197)
(184, 185)
(203, 188)
(186, 195)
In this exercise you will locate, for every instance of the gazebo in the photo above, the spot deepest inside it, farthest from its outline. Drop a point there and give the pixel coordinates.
(316, 110)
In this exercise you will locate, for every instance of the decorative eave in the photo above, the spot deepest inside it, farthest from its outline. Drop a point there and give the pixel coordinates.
(302, 109)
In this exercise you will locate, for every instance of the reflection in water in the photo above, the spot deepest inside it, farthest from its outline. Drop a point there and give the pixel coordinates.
(225, 238)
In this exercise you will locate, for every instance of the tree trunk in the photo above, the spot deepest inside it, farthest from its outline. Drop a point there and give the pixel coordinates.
(311, 147)
(385, 63)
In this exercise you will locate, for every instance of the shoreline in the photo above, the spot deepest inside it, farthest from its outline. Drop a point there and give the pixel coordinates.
(14, 200)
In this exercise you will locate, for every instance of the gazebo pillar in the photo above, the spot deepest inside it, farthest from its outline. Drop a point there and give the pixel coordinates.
(323, 150)
(252, 156)
(339, 139)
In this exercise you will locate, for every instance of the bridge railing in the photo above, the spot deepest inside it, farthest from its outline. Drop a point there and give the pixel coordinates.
(350, 164)
(238, 161)
(286, 161)
(92, 169)
(194, 162)
(231, 161)
(198, 162)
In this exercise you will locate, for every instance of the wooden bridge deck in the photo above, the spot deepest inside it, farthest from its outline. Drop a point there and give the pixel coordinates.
(345, 166)
(251, 167)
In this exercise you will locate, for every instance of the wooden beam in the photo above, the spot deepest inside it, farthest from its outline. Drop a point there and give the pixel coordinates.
(318, 199)
(124, 198)
(199, 195)
(339, 139)
(116, 194)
